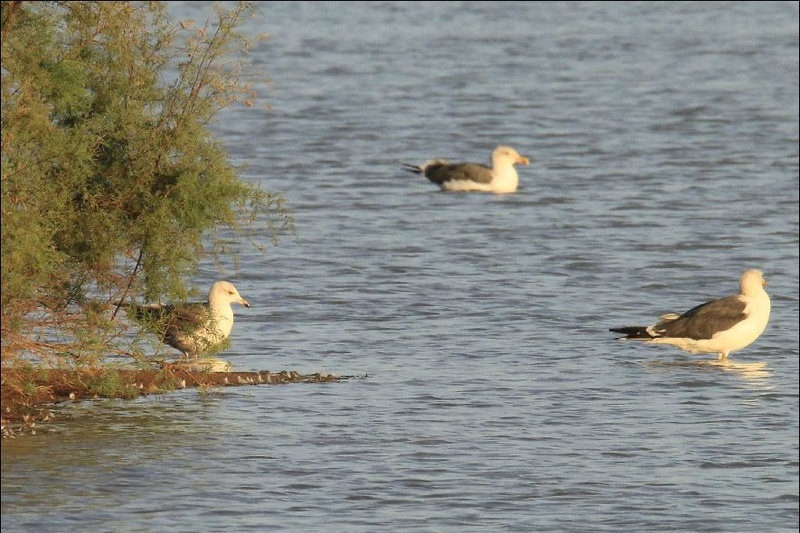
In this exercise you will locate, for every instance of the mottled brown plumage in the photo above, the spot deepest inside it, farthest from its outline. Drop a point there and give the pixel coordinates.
(192, 328)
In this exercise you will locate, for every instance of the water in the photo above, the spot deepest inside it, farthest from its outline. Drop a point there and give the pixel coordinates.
(490, 396)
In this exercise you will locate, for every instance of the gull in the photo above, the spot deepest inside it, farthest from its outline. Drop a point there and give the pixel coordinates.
(501, 177)
(192, 328)
(718, 326)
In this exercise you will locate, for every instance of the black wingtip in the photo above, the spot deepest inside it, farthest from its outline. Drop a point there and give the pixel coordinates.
(632, 332)
(411, 168)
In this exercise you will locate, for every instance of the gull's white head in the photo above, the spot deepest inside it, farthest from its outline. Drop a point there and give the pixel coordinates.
(224, 292)
(508, 154)
(752, 281)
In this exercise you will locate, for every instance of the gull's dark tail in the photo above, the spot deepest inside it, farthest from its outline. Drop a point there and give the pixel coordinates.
(416, 169)
(632, 332)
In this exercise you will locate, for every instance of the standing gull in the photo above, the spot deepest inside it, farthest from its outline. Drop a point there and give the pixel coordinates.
(500, 178)
(192, 328)
(719, 326)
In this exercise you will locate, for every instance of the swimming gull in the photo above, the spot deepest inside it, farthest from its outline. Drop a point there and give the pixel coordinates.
(718, 326)
(500, 178)
(192, 328)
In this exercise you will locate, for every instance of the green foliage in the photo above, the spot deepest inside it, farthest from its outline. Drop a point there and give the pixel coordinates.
(111, 178)
(110, 384)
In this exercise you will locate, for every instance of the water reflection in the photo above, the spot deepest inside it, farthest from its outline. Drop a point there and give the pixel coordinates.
(757, 375)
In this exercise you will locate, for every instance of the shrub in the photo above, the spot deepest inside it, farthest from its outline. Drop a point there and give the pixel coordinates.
(111, 179)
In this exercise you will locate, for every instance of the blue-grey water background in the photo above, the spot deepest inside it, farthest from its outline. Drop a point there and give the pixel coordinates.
(490, 395)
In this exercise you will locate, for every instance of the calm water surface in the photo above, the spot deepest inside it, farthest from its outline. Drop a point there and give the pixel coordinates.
(490, 395)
